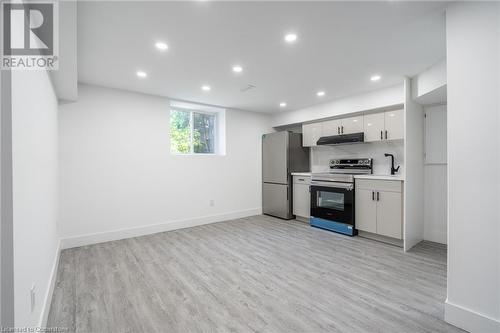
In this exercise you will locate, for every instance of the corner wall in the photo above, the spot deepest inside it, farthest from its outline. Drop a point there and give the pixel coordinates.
(34, 179)
(473, 56)
(118, 178)
(6, 218)
(414, 170)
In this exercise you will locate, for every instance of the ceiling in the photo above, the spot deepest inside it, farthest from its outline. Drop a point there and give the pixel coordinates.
(340, 46)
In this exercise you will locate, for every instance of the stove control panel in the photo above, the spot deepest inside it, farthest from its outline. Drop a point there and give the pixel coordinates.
(353, 164)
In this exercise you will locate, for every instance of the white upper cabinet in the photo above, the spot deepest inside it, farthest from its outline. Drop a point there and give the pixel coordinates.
(374, 127)
(352, 125)
(311, 133)
(332, 127)
(394, 125)
(388, 125)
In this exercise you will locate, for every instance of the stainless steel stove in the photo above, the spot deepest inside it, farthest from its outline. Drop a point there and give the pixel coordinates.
(332, 195)
(344, 170)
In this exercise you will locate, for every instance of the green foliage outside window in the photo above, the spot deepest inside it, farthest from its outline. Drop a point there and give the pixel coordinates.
(180, 132)
(203, 132)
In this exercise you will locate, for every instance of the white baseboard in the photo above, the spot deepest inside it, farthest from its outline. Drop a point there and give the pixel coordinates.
(469, 320)
(112, 235)
(44, 315)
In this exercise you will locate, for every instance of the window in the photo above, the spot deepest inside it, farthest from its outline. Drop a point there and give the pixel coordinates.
(194, 131)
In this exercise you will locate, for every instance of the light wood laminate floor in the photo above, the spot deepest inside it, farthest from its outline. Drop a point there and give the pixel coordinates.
(257, 274)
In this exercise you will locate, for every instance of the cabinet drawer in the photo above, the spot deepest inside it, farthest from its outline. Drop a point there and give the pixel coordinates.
(380, 185)
(302, 180)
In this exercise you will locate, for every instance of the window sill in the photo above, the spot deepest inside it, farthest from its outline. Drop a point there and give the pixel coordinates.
(195, 154)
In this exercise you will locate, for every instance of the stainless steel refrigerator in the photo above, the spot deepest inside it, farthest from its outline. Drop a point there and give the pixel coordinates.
(282, 154)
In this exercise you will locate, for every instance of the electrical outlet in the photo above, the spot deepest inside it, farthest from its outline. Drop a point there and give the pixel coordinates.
(33, 297)
(211, 202)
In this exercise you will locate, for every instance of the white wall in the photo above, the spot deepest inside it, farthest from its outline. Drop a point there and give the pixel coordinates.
(372, 100)
(429, 80)
(65, 79)
(435, 184)
(473, 55)
(6, 218)
(321, 155)
(118, 178)
(34, 149)
(414, 170)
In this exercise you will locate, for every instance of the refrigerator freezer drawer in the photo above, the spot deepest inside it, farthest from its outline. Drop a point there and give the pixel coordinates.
(276, 200)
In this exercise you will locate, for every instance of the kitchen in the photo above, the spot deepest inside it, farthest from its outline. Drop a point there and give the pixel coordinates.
(352, 179)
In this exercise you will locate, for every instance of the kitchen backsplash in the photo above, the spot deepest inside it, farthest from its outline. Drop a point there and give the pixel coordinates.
(321, 155)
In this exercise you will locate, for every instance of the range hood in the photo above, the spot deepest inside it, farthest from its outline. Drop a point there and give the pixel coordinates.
(341, 139)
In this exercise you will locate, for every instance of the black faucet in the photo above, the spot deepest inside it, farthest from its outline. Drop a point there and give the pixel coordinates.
(393, 169)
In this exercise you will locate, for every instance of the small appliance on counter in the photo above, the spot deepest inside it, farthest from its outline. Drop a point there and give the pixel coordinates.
(282, 154)
(332, 195)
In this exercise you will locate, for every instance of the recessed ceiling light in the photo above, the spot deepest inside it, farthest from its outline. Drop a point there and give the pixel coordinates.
(161, 46)
(141, 74)
(320, 93)
(205, 88)
(375, 77)
(237, 69)
(290, 38)
(282, 104)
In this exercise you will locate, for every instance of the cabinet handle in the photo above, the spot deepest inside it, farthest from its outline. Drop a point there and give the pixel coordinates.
(381, 135)
(373, 196)
(301, 179)
(338, 130)
(378, 196)
(342, 131)
(386, 134)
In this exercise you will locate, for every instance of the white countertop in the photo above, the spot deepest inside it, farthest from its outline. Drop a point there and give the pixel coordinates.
(303, 174)
(380, 177)
(377, 177)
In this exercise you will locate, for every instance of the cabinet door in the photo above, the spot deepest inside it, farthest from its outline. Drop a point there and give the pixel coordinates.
(373, 125)
(301, 200)
(394, 125)
(365, 211)
(352, 125)
(389, 221)
(331, 127)
(311, 133)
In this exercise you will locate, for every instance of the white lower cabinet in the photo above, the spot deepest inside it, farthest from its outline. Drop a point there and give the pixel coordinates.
(366, 211)
(389, 221)
(301, 196)
(379, 207)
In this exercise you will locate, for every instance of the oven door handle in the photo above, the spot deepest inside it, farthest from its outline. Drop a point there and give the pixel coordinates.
(344, 186)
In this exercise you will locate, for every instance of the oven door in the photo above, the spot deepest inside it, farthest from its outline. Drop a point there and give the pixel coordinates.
(333, 201)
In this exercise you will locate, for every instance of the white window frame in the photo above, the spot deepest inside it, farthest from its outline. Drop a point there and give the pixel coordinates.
(219, 123)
